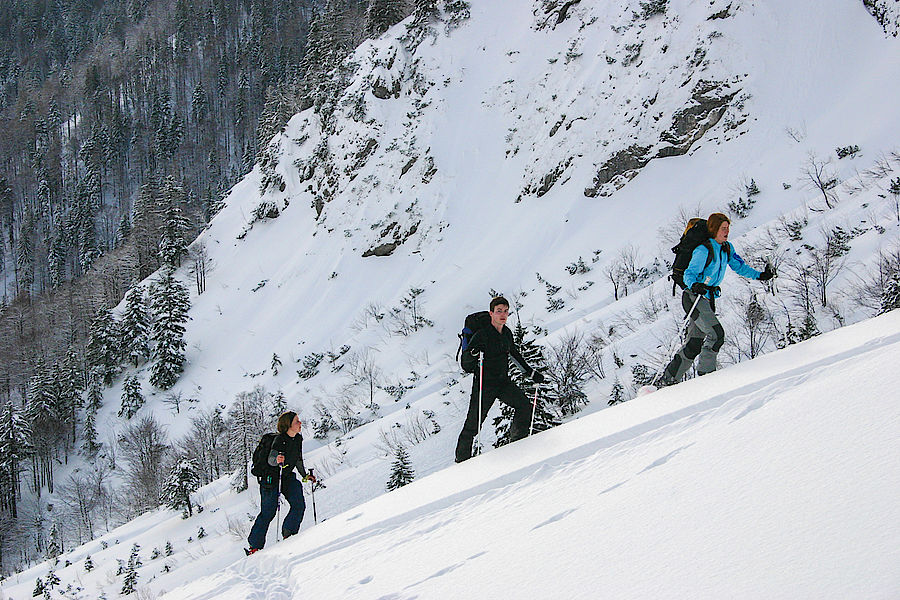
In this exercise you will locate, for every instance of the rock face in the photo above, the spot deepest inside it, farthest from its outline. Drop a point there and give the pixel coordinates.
(397, 236)
(708, 103)
(620, 168)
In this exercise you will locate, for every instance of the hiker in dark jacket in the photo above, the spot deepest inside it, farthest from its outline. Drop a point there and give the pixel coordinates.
(496, 342)
(705, 334)
(285, 455)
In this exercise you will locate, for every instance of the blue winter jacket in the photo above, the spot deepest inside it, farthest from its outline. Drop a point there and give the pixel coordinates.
(713, 274)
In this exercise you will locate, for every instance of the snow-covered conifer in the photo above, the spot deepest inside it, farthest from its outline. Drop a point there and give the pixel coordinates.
(175, 225)
(183, 480)
(381, 15)
(544, 417)
(135, 329)
(617, 394)
(169, 304)
(401, 470)
(54, 542)
(132, 399)
(131, 575)
(890, 297)
(103, 346)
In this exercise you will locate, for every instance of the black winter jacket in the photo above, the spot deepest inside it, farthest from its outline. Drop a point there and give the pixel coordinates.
(498, 347)
(291, 447)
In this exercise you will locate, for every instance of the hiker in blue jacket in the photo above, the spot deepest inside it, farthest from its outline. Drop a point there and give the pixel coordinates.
(705, 334)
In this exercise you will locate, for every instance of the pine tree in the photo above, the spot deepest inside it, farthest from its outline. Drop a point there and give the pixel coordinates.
(15, 447)
(88, 564)
(131, 575)
(890, 297)
(38, 587)
(424, 10)
(40, 410)
(103, 346)
(381, 15)
(51, 582)
(544, 417)
(135, 328)
(173, 234)
(89, 445)
(54, 543)
(401, 471)
(182, 482)
(168, 550)
(169, 303)
(617, 394)
(276, 364)
(132, 399)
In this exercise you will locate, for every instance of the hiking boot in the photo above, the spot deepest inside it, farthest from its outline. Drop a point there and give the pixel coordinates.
(250, 551)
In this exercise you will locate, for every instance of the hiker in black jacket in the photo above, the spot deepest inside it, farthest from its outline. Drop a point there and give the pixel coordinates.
(496, 342)
(284, 457)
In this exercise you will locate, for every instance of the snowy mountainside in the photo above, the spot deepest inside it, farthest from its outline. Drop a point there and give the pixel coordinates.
(504, 140)
(776, 478)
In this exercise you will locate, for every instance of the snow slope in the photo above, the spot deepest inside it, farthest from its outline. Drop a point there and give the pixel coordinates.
(494, 109)
(775, 479)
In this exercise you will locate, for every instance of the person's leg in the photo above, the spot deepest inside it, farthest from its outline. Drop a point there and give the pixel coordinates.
(473, 420)
(268, 503)
(293, 491)
(700, 327)
(715, 337)
(511, 394)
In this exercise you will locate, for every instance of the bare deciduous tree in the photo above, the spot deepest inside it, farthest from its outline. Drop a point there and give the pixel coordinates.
(569, 368)
(144, 446)
(819, 175)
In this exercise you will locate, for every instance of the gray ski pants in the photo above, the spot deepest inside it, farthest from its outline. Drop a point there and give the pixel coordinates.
(705, 337)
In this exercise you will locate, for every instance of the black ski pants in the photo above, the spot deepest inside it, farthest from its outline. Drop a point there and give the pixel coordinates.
(507, 392)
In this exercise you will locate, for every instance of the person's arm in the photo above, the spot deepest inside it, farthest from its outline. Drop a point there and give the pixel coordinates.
(738, 265)
(695, 268)
(277, 448)
(300, 468)
(518, 360)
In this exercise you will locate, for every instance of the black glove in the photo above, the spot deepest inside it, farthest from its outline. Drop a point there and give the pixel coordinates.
(699, 288)
(767, 274)
(537, 376)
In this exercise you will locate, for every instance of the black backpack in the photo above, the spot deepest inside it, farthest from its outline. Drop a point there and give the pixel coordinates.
(474, 322)
(260, 466)
(694, 235)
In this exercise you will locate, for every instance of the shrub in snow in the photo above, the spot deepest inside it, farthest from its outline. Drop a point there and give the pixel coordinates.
(846, 151)
(653, 7)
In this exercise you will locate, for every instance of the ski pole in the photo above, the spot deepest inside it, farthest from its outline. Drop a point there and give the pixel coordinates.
(278, 509)
(480, 392)
(533, 408)
(312, 495)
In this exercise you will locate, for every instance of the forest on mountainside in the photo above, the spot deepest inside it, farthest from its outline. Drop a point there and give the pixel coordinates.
(125, 122)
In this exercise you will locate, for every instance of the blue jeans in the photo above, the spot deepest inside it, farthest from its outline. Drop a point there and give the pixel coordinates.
(268, 505)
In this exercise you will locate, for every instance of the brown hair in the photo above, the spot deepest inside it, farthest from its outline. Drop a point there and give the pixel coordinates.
(714, 221)
(498, 301)
(285, 421)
